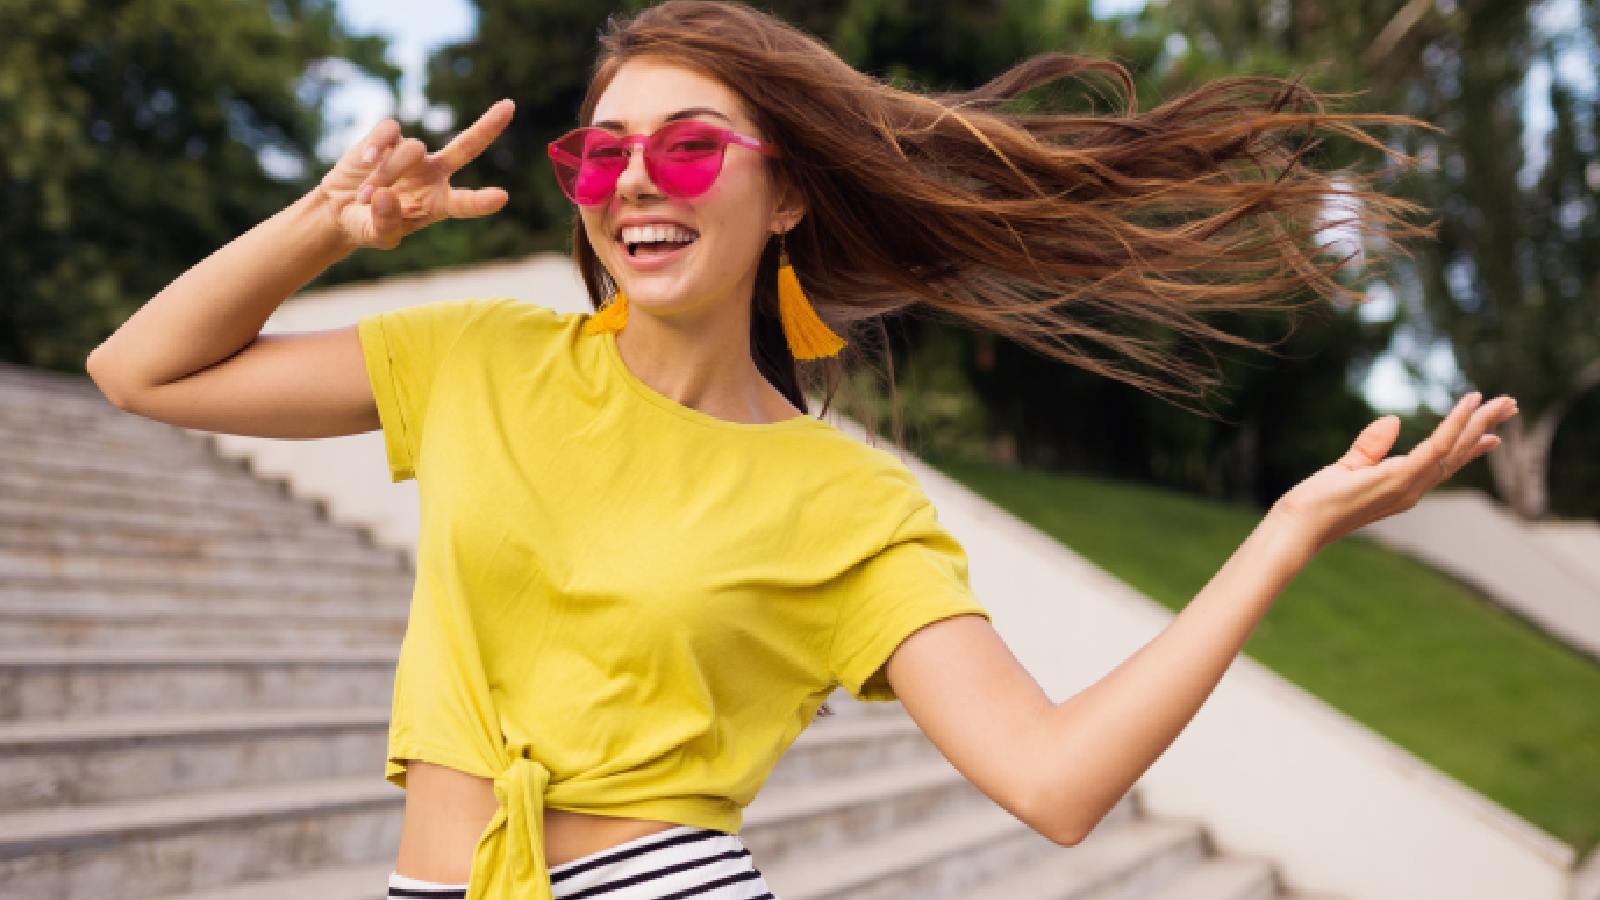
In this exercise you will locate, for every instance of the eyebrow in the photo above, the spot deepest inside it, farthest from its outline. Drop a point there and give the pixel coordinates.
(613, 125)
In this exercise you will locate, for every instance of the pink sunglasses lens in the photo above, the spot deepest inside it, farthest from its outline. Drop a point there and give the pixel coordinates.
(687, 158)
(593, 184)
(587, 162)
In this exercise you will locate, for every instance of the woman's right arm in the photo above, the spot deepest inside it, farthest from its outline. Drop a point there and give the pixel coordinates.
(194, 354)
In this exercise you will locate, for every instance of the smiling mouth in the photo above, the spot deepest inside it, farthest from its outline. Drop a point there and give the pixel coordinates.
(655, 248)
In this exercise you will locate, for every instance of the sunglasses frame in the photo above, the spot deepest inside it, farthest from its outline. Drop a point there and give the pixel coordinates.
(561, 157)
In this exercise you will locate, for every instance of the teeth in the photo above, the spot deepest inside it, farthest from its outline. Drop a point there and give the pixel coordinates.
(639, 234)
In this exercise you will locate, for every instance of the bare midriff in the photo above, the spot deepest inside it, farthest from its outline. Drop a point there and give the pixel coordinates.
(447, 811)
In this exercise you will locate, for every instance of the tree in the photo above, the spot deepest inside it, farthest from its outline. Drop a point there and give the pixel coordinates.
(139, 139)
(1513, 283)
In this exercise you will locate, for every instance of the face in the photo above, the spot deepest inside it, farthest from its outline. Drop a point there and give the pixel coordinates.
(733, 219)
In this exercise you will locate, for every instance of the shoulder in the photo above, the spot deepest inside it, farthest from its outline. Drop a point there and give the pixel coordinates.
(862, 486)
(512, 312)
(486, 322)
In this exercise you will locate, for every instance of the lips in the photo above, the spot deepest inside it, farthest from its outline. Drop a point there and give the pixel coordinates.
(655, 260)
(616, 233)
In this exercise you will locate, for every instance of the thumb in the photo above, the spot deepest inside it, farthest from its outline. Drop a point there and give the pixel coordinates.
(1372, 444)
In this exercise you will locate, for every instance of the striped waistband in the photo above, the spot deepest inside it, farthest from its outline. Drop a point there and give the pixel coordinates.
(684, 861)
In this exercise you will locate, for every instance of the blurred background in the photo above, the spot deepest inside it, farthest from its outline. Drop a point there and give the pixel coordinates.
(199, 119)
(142, 135)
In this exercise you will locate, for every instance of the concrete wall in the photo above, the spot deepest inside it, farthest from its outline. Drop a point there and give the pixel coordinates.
(1271, 770)
(1547, 573)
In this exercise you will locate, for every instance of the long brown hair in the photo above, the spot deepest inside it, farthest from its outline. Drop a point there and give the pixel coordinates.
(1039, 227)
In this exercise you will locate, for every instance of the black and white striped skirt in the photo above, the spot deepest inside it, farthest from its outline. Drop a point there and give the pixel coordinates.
(680, 862)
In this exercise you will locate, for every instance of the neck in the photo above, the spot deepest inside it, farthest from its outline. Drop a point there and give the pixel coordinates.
(703, 362)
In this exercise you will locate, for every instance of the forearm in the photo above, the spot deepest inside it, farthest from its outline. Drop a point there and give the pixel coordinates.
(220, 304)
(1094, 746)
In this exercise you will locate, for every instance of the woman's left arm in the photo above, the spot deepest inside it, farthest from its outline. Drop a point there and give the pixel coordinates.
(1075, 759)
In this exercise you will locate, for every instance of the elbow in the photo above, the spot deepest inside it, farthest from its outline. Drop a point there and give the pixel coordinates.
(1065, 838)
(1055, 818)
(107, 386)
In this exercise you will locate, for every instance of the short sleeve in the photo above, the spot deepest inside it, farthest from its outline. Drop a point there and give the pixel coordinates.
(403, 349)
(919, 577)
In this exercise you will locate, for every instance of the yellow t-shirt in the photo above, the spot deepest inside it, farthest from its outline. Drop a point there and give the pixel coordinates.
(625, 606)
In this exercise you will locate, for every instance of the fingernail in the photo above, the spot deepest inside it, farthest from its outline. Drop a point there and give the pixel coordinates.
(1475, 396)
(369, 154)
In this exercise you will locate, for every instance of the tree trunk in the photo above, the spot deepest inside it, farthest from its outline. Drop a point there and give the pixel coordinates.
(1520, 465)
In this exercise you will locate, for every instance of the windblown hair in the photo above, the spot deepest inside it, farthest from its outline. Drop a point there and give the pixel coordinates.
(1040, 227)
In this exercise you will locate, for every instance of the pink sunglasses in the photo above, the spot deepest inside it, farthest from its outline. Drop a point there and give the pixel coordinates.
(682, 157)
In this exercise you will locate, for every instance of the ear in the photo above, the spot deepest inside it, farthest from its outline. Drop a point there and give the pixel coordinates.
(789, 210)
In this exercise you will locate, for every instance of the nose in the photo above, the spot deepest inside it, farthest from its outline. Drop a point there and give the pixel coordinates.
(635, 178)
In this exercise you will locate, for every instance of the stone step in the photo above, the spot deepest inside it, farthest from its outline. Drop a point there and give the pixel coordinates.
(1221, 878)
(144, 496)
(303, 519)
(83, 761)
(107, 472)
(107, 548)
(108, 593)
(363, 881)
(79, 622)
(88, 423)
(797, 821)
(326, 574)
(928, 856)
(188, 842)
(57, 402)
(138, 443)
(838, 744)
(120, 758)
(1132, 858)
(62, 683)
(82, 505)
(40, 379)
(193, 541)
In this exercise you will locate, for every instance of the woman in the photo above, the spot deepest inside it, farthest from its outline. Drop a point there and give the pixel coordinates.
(643, 565)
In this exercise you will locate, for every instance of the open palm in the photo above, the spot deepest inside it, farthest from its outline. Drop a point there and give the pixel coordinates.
(1363, 486)
(385, 188)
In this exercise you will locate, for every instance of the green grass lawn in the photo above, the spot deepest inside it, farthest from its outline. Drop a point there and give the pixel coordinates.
(1414, 654)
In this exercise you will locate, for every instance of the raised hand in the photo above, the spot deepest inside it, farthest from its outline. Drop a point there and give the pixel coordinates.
(1363, 486)
(385, 188)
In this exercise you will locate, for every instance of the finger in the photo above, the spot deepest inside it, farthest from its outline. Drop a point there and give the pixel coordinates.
(386, 210)
(467, 204)
(474, 138)
(366, 152)
(409, 152)
(1372, 444)
(1431, 450)
(1488, 415)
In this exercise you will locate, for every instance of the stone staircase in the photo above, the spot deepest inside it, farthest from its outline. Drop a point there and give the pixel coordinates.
(195, 677)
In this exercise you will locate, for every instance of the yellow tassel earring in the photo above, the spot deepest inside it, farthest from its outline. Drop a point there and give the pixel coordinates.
(809, 337)
(610, 317)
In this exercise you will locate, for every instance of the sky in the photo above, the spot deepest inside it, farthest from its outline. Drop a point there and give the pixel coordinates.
(415, 27)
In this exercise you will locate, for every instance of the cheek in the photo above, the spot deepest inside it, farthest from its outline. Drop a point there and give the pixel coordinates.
(597, 237)
(733, 211)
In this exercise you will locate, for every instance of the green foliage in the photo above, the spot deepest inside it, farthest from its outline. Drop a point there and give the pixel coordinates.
(1279, 415)
(136, 131)
(1513, 283)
